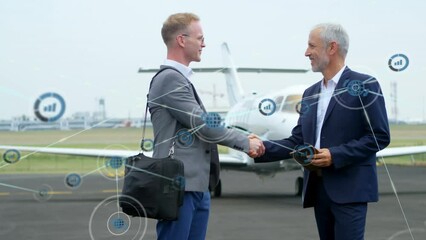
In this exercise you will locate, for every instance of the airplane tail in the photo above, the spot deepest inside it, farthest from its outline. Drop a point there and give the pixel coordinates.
(233, 84)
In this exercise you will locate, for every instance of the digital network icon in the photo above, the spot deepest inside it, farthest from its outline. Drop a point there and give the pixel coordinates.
(119, 223)
(184, 138)
(398, 62)
(115, 162)
(73, 180)
(213, 120)
(355, 88)
(49, 107)
(44, 193)
(267, 107)
(179, 183)
(11, 156)
(302, 107)
(147, 145)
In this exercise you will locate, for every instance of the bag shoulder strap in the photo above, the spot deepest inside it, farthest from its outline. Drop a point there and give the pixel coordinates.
(146, 110)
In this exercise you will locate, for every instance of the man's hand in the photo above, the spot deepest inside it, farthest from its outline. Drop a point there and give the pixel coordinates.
(257, 148)
(322, 158)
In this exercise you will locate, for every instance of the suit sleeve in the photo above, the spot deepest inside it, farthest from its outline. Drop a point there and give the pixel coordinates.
(177, 97)
(376, 132)
(276, 150)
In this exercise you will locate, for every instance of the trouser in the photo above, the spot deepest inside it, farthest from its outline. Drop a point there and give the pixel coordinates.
(338, 221)
(192, 221)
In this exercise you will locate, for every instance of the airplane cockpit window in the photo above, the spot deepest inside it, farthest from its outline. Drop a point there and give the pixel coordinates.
(278, 102)
(291, 102)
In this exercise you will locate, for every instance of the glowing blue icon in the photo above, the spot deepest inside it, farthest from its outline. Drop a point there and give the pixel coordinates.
(179, 183)
(398, 62)
(115, 162)
(48, 112)
(44, 193)
(213, 120)
(302, 107)
(355, 88)
(147, 145)
(119, 223)
(73, 180)
(11, 156)
(267, 107)
(184, 138)
(304, 153)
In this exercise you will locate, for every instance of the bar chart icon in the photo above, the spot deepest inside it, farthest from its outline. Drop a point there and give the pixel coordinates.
(50, 108)
(267, 107)
(398, 62)
(45, 107)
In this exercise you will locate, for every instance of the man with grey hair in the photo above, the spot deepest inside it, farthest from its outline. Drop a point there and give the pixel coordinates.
(181, 123)
(344, 117)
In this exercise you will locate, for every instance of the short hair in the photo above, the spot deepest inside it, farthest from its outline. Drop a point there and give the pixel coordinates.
(334, 32)
(175, 23)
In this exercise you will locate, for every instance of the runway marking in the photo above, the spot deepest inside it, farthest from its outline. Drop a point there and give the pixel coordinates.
(60, 193)
(109, 191)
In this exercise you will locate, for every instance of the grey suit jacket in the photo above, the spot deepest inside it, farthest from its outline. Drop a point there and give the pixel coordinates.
(174, 109)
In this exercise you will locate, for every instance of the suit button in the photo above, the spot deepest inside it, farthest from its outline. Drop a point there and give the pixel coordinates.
(207, 151)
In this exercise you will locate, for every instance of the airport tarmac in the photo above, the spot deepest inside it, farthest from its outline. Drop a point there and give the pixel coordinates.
(250, 208)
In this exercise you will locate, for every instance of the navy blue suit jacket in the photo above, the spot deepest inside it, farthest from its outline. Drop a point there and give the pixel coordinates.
(355, 127)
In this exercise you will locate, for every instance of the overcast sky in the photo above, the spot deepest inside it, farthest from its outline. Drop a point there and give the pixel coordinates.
(85, 50)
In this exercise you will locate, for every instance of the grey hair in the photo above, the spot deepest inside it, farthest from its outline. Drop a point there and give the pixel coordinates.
(334, 32)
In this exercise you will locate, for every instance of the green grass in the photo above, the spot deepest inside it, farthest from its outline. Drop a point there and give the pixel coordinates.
(128, 138)
(47, 163)
(408, 135)
(123, 138)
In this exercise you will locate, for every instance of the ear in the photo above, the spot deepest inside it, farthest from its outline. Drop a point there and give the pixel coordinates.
(180, 39)
(334, 48)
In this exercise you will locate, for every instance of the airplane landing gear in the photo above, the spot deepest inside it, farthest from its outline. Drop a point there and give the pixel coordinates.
(299, 186)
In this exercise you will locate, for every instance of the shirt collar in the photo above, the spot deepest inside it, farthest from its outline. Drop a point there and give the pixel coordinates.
(336, 77)
(186, 71)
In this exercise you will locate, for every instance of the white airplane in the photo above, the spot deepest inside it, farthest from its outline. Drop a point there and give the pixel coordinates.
(270, 116)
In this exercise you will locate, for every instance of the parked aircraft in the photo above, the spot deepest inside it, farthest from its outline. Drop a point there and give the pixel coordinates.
(270, 116)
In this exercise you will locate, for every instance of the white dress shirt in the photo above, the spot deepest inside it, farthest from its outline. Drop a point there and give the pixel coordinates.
(186, 71)
(327, 90)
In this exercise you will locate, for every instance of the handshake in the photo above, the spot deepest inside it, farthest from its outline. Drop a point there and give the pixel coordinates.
(257, 149)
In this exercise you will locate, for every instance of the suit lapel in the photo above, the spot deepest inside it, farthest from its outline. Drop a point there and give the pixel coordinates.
(197, 98)
(336, 93)
(313, 103)
(214, 153)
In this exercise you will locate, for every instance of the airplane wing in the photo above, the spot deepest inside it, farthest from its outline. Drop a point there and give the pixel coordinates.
(401, 151)
(226, 160)
(75, 151)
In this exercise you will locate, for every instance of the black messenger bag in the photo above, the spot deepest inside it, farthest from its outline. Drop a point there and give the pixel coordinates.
(153, 187)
